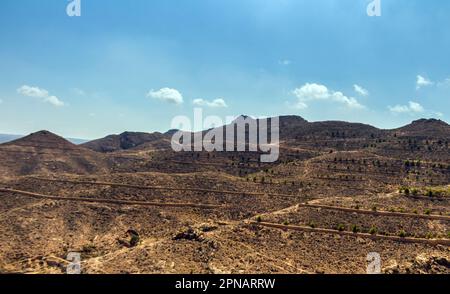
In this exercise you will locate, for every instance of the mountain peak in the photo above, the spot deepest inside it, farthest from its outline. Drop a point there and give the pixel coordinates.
(43, 139)
(426, 127)
(429, 121)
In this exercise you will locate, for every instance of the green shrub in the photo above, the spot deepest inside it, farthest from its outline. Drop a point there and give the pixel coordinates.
(427, 212)
(341, 227)
(312, 225)
(286, 223)
(355, 229)
(259, 219)
(402, 234)
(134, 241)
(373, 230)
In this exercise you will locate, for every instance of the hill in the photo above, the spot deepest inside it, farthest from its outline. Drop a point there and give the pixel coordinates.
(124, 141)
(44, 152)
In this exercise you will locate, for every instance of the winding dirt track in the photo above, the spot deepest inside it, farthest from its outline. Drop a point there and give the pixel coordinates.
(378, 213)
(434, 242)
(110, 201)
(166, 188)
(350, 210)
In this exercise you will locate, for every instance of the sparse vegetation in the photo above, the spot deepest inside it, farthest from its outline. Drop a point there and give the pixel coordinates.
(373, 230)
(340, 227)
(231, 183)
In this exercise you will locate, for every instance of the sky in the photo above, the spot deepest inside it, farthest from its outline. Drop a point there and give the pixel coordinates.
(134, 65)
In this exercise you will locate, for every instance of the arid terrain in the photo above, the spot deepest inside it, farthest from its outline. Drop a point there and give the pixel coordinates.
(129, 204)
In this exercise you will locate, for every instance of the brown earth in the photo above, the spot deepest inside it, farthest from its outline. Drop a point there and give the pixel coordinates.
(338, 192)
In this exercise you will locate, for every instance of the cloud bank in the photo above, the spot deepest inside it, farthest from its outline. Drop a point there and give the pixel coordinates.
(42, 94)
(316, 92)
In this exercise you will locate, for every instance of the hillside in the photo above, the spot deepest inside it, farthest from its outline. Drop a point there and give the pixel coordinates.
(338, 191)
(124, 141)
(44, 152)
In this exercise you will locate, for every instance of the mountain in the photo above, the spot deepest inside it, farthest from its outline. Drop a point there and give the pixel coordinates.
(44, 152)
(339, 184)
(294, 131)
(425, 128)
(4, 138)
(124, 141)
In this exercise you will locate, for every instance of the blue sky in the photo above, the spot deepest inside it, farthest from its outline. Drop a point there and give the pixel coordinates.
(134, 65)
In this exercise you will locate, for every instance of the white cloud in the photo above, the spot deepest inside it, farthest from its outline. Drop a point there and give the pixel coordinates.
(313, 92)
(412, 107)
(42, 94)
(422, 82)
(32, 92)
(54, 100)
(167, 95)
(217, 103)
(360, 90)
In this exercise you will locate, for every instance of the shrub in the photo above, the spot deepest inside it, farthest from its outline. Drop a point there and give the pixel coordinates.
(374, 208)
(427, 212)
(373, 230)
(286, 223)
(355, 229)
(402, 234)
(259, 219)
(312, 224)
(341, 227)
